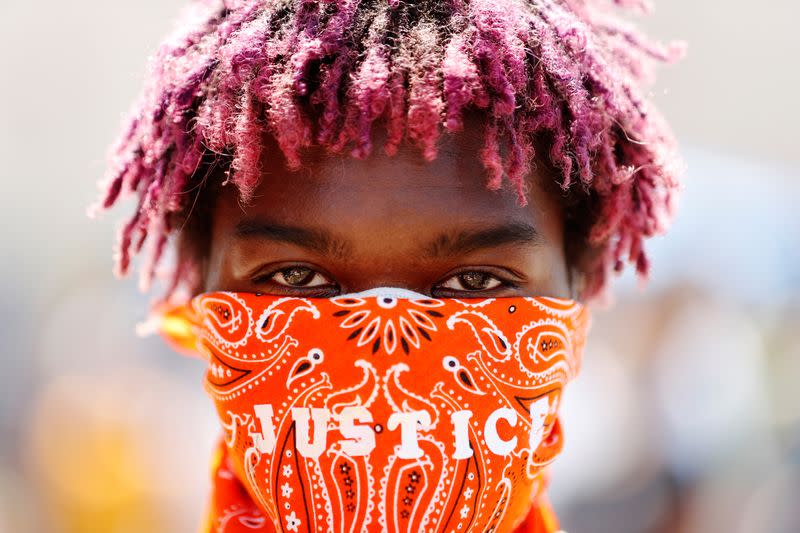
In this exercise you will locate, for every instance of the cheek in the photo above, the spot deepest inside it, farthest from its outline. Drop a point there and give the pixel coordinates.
(552, 274)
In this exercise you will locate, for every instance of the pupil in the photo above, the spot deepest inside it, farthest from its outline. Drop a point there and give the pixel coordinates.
(296, 275)
(474, 280)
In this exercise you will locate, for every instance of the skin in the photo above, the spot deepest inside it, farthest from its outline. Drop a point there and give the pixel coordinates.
(342, 225)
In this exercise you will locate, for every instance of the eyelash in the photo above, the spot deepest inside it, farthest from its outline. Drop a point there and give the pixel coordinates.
(267, 278)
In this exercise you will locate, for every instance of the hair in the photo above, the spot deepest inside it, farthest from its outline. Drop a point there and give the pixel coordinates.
(561, 81)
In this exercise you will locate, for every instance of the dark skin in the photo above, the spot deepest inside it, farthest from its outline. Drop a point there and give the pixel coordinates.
(343, 225)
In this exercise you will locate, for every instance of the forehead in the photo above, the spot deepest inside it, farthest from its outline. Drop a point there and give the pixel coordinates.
(390, 195)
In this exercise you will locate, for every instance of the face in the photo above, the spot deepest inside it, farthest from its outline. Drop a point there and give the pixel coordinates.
(342, 225)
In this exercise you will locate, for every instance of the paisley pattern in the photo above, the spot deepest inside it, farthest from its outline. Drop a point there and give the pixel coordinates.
(436, 357)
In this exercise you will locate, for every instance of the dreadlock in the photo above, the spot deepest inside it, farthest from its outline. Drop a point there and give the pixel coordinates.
(559, 79)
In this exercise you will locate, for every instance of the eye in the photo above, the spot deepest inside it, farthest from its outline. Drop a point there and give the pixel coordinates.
(473, 280)
(295, 276)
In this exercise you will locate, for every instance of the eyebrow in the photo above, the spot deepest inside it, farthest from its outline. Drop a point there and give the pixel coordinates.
(468, 240)
(318, 240)
(447, 243)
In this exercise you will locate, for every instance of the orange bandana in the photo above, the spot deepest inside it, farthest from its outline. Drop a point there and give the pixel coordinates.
(384, 410)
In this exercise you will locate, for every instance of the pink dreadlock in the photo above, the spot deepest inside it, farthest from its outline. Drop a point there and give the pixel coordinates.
(561, 75)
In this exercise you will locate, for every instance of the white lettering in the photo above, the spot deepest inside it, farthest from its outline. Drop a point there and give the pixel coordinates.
(361, 438)
(409, 448)
(538, 410)
(493, 441)
(301, 437)
(460, 421)
(358, 437)
(264, 441)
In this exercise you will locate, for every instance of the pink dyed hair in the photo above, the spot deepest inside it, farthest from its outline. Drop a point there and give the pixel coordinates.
(565, 76)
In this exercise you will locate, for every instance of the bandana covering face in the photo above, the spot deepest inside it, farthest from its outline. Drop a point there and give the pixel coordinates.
(384, 410)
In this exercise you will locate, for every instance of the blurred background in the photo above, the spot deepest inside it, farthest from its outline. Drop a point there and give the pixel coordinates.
(698, 376)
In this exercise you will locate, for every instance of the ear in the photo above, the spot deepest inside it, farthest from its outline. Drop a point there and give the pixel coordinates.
(178, 325)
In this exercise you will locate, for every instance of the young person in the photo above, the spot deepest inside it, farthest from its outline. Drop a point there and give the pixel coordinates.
(450, 184)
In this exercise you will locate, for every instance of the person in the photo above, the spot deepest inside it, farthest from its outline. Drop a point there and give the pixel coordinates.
(457, 149)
